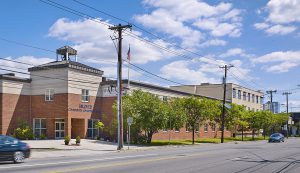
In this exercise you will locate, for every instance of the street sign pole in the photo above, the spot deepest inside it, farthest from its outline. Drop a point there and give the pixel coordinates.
(129, 122)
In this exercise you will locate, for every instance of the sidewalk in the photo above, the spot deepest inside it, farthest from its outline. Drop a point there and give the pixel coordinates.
(57, 148)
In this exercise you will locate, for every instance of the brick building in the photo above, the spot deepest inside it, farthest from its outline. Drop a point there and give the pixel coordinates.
(67, 97)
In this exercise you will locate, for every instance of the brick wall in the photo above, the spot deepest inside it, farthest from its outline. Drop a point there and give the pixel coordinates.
(15, 108)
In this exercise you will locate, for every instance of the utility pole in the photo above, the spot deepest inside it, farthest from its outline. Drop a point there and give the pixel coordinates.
(119, 28)
(287, 112)
(224, 101)
(271, 94)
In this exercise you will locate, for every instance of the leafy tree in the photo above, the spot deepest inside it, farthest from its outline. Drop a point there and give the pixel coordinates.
(235, 118)
(253, 119)
(148, 111)
(175, 114)
(198, 110)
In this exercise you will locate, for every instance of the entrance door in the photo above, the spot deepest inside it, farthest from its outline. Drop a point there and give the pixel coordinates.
(59, 130)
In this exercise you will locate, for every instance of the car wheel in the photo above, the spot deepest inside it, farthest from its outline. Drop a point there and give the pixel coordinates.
(19, 157)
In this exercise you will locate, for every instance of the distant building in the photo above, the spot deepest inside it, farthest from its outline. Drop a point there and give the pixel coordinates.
(251, 99)
(274, 107)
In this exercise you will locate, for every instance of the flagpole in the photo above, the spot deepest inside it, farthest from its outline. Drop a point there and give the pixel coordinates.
(128, 58)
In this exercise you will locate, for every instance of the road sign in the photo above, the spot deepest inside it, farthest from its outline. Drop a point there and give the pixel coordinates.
(129, 120)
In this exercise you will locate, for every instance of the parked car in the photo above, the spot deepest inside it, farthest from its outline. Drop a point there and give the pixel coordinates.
(12, 149)
(276, 137)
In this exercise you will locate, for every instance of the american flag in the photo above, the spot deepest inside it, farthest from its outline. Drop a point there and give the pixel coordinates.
(128, 53)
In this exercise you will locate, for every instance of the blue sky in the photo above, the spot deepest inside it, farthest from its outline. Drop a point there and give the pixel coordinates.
(259, 37)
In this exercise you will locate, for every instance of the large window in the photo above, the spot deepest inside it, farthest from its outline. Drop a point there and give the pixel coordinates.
(253, 98)
(197, 126)
(187, 127)
(213, 127)
(85, 97)
(244, 96)
(234, 93)
(205, 127)
(249, 97)
(239, 94)
(257, 100)
(261, 100)
(39, 127)
(49, 94)
(92, 132)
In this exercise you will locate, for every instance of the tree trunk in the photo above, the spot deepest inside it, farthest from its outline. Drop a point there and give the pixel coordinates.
(149, 137)
(264, 133)
(193, 134)
(253, 134)
(242, 133)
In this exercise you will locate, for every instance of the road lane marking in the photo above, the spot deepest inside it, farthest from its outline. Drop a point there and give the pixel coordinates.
(126, 163)
(76, 161)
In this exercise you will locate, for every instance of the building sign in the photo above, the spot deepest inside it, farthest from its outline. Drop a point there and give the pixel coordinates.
(84, 108)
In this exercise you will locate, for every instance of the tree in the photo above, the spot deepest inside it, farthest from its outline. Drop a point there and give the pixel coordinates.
(235, 118)
(148, 111)
(99, 125)
(254, 122)
(197, 110)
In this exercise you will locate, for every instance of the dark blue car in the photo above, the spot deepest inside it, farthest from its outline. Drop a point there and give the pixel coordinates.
(276, 137)
(12, 149)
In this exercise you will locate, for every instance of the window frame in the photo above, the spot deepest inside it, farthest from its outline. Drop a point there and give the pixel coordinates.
(205, 127)
(48, 95)
(233, 93)
(239, 94)
(85, 94)
(39, 129)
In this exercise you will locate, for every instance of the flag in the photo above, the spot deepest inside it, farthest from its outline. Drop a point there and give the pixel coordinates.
(128, 53)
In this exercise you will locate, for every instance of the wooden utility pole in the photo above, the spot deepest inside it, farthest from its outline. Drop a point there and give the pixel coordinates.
(224, 101)
(287, 112)
(119, 28)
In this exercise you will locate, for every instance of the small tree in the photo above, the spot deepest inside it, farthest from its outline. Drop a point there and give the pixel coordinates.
(99, 125)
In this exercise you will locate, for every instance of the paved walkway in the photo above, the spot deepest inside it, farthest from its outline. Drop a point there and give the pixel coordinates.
(57, 148)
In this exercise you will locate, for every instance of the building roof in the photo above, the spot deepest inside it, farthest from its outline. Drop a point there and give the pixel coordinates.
(142, 84)
(66, 64)
(12, 77)
(210, 84)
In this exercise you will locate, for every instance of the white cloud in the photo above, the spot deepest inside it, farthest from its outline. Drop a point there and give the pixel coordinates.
(214, 42)
(13, 66)
(181, 70)
(207, 71)
(281, 18)
(235, 52)
(285, 61)
(283, 11)
(178, 19)
(280, 29)
(93, 42)
(261, 26)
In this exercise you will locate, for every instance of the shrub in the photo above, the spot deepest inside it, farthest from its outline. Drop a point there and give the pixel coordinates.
(24, 133)
(77, 139)
(67, 140)
(42, 136)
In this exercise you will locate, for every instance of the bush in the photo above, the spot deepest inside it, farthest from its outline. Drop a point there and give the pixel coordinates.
(24, 133)
(67, 140)
(42, 136)
(77, 139)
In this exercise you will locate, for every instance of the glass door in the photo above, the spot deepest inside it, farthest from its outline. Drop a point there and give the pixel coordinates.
(59, 129)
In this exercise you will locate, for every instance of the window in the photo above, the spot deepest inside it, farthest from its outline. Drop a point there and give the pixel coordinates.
(239, 94)
(234, 93)
(249, 109)
(253, 98)
(197, 127)
(177, 129)
(244, 96)
(165, 98)
(261, 100)
(187, 127)
(249, 97)
(49, 94)
(92, 131)
(205, 127)
(85, 97)
(213, 127)
(257, 100)
(39, 126)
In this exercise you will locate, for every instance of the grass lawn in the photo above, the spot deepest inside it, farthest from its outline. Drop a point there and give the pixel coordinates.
(202, 140)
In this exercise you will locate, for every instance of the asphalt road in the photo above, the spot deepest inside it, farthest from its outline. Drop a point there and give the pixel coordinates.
(254, 157)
